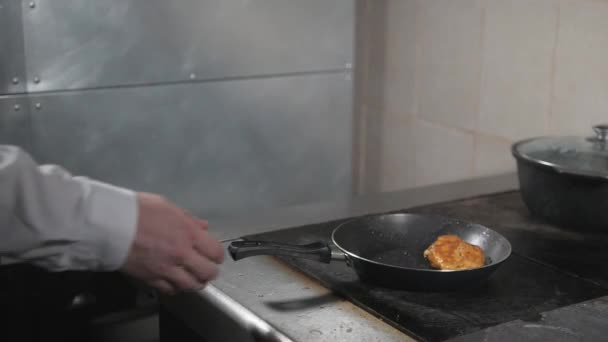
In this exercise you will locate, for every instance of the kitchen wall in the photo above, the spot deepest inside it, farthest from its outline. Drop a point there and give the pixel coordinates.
(456, 82)
(224, 107)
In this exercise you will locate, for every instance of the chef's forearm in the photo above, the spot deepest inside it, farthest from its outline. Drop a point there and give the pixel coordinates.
(61, 222)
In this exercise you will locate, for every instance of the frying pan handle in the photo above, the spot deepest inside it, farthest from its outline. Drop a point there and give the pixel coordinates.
(318, 251)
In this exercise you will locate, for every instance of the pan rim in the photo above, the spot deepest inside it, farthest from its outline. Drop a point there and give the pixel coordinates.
(352, 255)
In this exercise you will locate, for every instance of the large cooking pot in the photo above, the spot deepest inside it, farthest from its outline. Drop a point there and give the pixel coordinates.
(564, 180)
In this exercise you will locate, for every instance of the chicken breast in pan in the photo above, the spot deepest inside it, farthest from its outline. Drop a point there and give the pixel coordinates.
(449, 252)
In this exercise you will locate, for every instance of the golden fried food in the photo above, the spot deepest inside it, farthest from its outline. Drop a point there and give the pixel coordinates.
(449, 252)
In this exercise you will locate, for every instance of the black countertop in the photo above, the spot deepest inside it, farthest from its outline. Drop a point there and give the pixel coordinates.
(298, 307)
(534, 280)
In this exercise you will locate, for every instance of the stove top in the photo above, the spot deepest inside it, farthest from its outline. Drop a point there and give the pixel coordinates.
(550, 268)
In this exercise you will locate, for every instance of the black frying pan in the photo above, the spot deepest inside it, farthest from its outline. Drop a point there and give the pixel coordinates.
(387, 250)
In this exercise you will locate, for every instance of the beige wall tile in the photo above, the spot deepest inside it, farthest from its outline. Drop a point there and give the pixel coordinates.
(581, 80)
(400, 64)
(448, 62)
(398, 148)
(418, 153)
(493, 156)
(441, 154)
(519, 42)
(456, 113)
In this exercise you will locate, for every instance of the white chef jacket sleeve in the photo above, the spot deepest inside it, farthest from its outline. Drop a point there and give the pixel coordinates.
(60, 222)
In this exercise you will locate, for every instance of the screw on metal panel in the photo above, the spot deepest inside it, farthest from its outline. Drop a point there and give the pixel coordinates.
(15, 80)
(192, 76)
(36, 79)
(38, 105)
(17, 107)
(32, 4)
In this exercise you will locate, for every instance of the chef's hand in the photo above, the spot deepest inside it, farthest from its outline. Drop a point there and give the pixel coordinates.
(172, 250)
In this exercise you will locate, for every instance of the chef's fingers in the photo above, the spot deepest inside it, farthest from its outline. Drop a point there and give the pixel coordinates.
(201, 224)
(201, 268)
(207, 246)
(204, 225)
(163, 286)
(181, 279)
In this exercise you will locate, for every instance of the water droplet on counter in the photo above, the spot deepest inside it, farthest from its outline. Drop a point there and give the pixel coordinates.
(260, 295)
(316, 332)
(349, 330)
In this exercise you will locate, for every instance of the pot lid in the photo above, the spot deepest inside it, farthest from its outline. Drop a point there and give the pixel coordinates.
(586, 156)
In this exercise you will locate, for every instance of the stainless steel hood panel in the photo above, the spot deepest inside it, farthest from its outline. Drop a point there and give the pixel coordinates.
(76, 44)
(15, 125)
(215, 148)
(12, 59)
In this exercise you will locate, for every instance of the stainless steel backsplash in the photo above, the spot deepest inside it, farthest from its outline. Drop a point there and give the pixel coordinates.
(223, 106)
